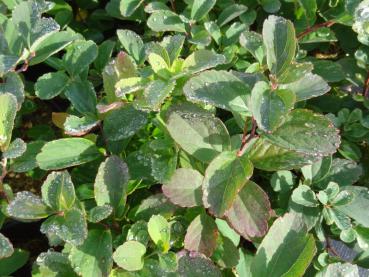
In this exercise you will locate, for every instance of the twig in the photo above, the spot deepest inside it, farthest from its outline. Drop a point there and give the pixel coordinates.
(314, 28)
(366, 87)
(246, 139)
(173, 4)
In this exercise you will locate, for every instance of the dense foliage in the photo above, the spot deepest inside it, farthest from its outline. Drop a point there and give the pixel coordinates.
(184, 137)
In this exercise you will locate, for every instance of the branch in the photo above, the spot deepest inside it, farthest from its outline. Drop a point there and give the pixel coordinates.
(246, 139)
(309, 30)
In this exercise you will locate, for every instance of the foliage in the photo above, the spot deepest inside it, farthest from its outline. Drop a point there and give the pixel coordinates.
(197, 138)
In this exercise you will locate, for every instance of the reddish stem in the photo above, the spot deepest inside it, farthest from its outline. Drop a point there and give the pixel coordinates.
(246, 139)
(314, 28)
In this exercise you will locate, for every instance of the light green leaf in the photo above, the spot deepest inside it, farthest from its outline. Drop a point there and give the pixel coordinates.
(184, 188)
(225, 229)
(16, 149)
(124, 123)
(128, 7)
(198, 132)
(58, 191)
(130, 255)
(301, 124)
(268, 107)
(226, 254)
(8, 109)
(159, 231)
(230, 13)
(155, 94)
(132, 43)
(304, 195)
(201, 235)
(201, 60)
(94, 256)
(27, 206)
(279, 42)
(309, 86)
(99, 213)
(70, 226)
(67, 152)
(51, 85)
(224, 178)
(219, 88)
(165, 20)
(6, 248)
(53, 264)
(250, 211)
(159, 65)
(111, 184)
(200, 8)
(54, 43)
(80, 54)
(287, 250)
(79, 126)
(173, 46)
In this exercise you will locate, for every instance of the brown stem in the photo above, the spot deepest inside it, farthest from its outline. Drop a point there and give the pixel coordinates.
(173, 4)
(246, 139)
(328, 23)
(366, 87)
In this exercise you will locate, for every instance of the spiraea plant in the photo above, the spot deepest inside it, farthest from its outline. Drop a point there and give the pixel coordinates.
(184, 138)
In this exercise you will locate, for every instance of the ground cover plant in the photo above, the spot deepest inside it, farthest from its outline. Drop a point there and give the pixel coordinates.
(184, 138)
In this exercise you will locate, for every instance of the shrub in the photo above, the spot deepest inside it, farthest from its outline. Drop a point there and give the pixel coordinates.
(197, 138)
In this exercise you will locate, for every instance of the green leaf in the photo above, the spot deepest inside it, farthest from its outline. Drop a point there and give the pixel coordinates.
(339, 269)
(300, 124)
(6, 248)
(159, 65)
(130, 255)
(309, 86)
(111, 184)
(201, 235)
(200, 8)
(124, 123)
(219, 88)
(80, 54)
(58, 191)
(16, 149)
(27, 206)
(253, 42)
(229, 13)
(270, 157)
(173, 46)
(159, 231)
(226, 254)
(227, 231)
(165, 20)
(304, 195)
(105, 51)
(11, 264)
(201, 60)
(99, 213)
(51, 85)
(309, 8)
(279, 42)
(184, 188)
(197, 265)
(268, 107)
(13, 84)
(250, 211)
(133, 44)
(82, 95)
(357, 207)
(53, 264)
(8, 109)
(7, 63)
(343, 172)
(287, 249)
(224, 178)
(168, 261)
(318, 170)
(70, 226)
(155, 94)
(54, 43)
(27, 161)
(94, 256)
(79, 126)
(198, 132)
(128, 7)
(67, 152)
